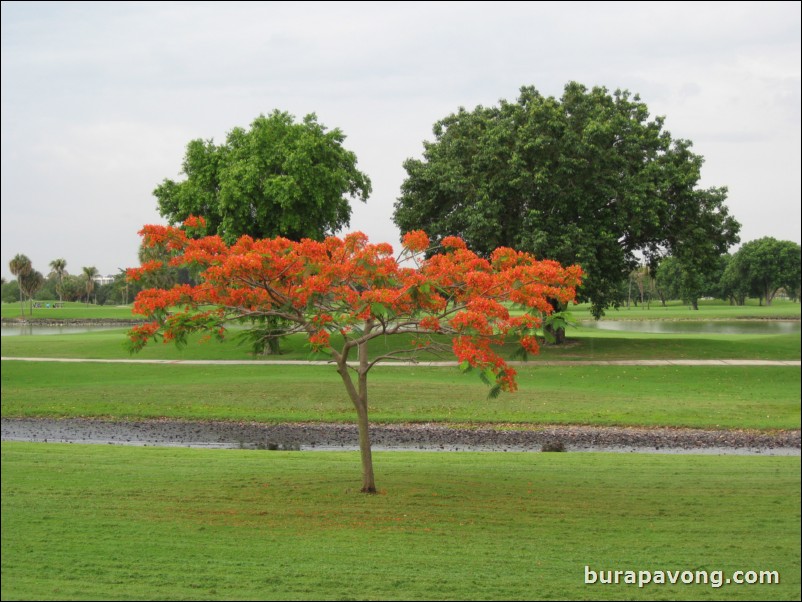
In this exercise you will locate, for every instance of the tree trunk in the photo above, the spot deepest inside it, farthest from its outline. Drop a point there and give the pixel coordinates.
(368, 482)
(557, 335)
(272, 347)
(629, 293)
(365, 452)
(359, 397)
(695, 304)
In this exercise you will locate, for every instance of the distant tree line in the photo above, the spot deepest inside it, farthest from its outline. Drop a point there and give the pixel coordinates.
(30, 285)
(588, 178)
(761, 269)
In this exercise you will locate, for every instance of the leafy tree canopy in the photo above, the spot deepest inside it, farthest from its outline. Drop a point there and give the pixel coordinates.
(587, 178)
(278, 178)
(688, 281)
(343, 293)
(762, 267)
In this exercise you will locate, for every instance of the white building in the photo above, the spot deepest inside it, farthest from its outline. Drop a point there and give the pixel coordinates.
(103, 279)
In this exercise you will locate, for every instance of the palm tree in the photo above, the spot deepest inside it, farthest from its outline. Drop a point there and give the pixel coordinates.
(90, 273)
(20, 266)
(58, 268)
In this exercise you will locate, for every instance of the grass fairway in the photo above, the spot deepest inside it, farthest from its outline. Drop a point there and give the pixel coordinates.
(694, 396)
(99, 522)
(71, 310)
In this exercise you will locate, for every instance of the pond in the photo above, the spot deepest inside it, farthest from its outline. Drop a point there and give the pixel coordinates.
(31, 329)
(697, 326)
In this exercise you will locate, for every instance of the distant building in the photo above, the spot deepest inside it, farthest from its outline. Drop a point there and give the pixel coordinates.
(103, 279)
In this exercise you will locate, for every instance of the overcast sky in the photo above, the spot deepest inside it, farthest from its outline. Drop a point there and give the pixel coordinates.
(100, 99)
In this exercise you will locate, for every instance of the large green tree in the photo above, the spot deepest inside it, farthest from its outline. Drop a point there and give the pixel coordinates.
(29, 283)
(278, 178)
(764, 266)
(587, 178)
(689, 282)
(733, 285)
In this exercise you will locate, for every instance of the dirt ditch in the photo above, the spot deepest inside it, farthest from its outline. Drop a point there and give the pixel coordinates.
(424, 437)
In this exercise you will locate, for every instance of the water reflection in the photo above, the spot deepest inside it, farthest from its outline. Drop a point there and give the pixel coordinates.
(698, 327)
(650, 326)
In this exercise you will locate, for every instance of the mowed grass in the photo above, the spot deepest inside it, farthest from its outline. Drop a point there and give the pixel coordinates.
(709, 309)
(71, 311)
(583, 344)
(690, 396)
(114, 523)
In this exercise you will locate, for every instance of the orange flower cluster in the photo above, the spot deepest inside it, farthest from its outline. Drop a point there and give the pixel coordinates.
(349, 286)
(140, 335)
(134, 274)
(416, 241)
(320, 340)
(430, 323)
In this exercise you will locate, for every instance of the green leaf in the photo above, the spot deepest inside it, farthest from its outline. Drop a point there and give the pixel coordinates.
(317, 356)
(487, 377)
(379, 309)
(520, 354)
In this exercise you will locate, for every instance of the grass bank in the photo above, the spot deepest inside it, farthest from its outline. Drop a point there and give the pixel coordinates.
(691, 396)
(99, 522)
(709, 309)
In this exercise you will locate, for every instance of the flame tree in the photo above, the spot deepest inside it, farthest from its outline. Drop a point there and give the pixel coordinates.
(360, 291)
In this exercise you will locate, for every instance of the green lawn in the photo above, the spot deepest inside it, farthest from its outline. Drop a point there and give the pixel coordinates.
(696, 396)
(70, 311)
(100, 522)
